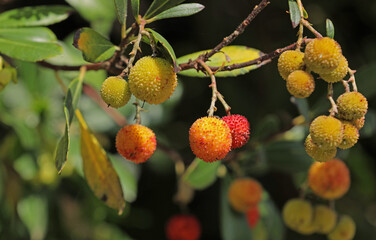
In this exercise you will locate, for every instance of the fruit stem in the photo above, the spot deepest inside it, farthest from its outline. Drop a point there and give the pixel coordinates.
(153, 44)
(60, 81)
(301, 28)
(303, 190)
(333, 110)
(309, 26)
(352, 79)
(139, 109)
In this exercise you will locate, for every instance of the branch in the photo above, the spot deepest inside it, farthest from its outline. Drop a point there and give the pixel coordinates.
(94, 66)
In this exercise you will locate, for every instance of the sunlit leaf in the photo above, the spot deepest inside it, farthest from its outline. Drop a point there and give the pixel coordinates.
(182, 10)
(236, 54)
(34, 16)
(159, 6)
(200, 174)
(163, 45)
(94, 47)
(294, 13)
(234, 225)
(135, 7)
(29, 44)
(33, 212)
(99, 172)
(329, 28)
(121, 10)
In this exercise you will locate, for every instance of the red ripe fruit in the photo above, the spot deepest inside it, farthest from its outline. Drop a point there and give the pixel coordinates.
(253, 215)
(183, 227)
(239, 127)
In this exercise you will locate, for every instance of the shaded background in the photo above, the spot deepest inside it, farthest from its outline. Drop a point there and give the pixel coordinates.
(32, 120)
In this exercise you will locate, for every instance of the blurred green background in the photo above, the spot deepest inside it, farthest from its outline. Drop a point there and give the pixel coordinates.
(37, 203)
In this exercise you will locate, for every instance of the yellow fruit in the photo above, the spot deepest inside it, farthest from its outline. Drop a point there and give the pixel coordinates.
(322, 55)
(290, 61)
(359, 122)
(152, 80)
(329, 180)
(244, 193)
(344, 230)
(337, 74)
(350, 135)
(318, 153)
(324, 219)
(306, 229)
(326, 131)
(210, 138)
(115, 92)
(351, 106)
(297, 214)
(300, 84)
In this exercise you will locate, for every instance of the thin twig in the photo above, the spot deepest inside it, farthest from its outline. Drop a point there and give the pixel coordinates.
(352, 79)
(93, 66)
(309, 26)
(60, 81)
(152, 42)
(138, 112)
(333, 110)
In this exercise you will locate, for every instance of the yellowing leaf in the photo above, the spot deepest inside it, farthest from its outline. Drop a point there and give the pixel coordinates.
(229, 55)
(99, 172)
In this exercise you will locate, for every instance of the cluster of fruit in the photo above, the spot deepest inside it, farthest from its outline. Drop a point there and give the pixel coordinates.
(329, 180)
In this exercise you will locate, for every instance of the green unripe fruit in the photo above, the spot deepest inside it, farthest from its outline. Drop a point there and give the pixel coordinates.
(300, 84)
(350, 135)
(318, 153)
(326, 131)
(322, 55)
(297, 213)
(351, 106)
(324, 219)
(115, 92)
(337, 74)
(344, 230)
(152, 80)
(290, 61)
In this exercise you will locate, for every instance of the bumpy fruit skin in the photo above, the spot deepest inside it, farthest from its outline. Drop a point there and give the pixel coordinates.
(183, 227)
(300, 84)
(115, 92)
(239, 127)
(210, 138)
(326, 131)
(318, 153)
(344, 230)
(297, 214)
(324, 219)
(322, 55)
(244, 193)
(290, 61)
(329, 180)
(351, 106)
(359, 122)
(152, 80)
(337, 74)
(136, 143)
(253, 215)
(350, 135)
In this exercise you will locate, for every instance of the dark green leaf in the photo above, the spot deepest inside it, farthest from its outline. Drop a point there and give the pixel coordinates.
(182, 10)
(200, 174)
(94, 47)
(236, 54)
(302, 105)
(369, 128)
(234, 225)
(135, 8)
(159, 6)
(294, 13)
(34, 16)
(121, 10)
(329, 28)
(29, 44)
(163, 45)
(288, 156)
(271, 218)
(269, 125)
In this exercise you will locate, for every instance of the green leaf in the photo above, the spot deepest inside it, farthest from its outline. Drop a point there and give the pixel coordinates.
(162, 45)
(302, 105)
(288, 156)
(329, 28)
(70, 104)
(159, 6)
(135, 8)
(200, 174)
(369, 128)
(271, 218)
(228, 55)
(33, 212)
(29, 44)
(94, 47)
(294, 13)
(34, 16)
(234, 225)
(182, 10)
(121, 10)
